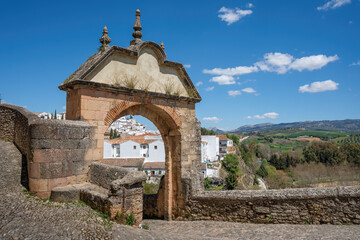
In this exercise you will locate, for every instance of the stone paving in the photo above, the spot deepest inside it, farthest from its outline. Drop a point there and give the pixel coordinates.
(23, 216)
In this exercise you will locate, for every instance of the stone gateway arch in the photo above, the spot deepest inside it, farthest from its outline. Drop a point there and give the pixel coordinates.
(139, 80)
(62, 159)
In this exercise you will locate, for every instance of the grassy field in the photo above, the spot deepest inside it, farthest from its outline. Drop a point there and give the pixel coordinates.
(319, 134)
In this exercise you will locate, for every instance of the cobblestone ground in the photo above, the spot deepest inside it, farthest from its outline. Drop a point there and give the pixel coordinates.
(23, 216)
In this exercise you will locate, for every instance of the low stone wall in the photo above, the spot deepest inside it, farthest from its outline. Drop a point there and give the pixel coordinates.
(336, 205)
(61, 154)
(58, 152)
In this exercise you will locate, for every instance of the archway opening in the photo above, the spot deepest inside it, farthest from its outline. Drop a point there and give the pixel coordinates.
(169, 197)
(134, 142)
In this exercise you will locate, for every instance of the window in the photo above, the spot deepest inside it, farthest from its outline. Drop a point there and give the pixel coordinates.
(152, 173)
(144, 155)
(155, 147)
(134, 147)
(159, 172)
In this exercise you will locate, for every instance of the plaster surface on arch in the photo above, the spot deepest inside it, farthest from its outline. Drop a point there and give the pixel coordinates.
(146, 71)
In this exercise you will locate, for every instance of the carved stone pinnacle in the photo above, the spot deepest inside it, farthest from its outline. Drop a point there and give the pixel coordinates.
(105, 39)
(137, 28)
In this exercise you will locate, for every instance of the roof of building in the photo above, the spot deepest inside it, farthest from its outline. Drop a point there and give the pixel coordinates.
(154, 165)
(124, 162)
(222, 137)
(139, 139)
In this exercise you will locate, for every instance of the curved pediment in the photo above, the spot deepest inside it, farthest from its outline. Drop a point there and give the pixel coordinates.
(142, 67)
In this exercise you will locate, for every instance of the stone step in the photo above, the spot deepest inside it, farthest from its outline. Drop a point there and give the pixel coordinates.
(76, 192)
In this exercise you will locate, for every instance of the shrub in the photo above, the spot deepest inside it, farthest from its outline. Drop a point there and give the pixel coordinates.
(231, 163)
(231, 181)
(130, 219)
(207, 183)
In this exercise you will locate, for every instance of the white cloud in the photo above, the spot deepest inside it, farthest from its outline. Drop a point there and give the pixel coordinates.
(272, 62)
(275, 62)
(271, 115)
(223, 80)
(234, 93)
(249, 5)
(231, 71)
(248, 90)
(187, 66)
(208, 89)
(333, 4)
(323, 86)
(199, 83)
(230, 16)
(63, 107)
(211, 119)
(312, 62)
(355, 63)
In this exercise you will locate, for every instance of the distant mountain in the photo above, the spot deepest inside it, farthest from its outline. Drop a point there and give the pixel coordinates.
(216, 130)
(347, 125)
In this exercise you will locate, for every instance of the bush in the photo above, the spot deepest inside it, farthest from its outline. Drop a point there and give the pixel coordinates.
(262, 172)
(207, 183)
(231, 181)
(231, 163)
(130, 219)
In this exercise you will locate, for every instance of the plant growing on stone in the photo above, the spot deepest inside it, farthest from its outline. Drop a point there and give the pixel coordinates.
(130, 219)
(130, 81)
(168, 87)
(191, 92)
(145, 85)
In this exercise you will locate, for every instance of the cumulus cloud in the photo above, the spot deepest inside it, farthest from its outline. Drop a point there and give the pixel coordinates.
(230, 16)
(208, 89)
(234, 93)
(276, 62)
(223, 80)
(187, 66)
(328, 85)
(333, 4)
(199, 83)
(312, 62)
(248, 90)
(231, 71)
(355, 63)
(212, 119)
(271, 115)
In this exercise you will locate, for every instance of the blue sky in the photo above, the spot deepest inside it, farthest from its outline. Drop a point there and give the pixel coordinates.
(253, 61)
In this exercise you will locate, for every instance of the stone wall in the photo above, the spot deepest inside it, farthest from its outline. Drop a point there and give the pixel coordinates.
(337, 205)
(57, 152)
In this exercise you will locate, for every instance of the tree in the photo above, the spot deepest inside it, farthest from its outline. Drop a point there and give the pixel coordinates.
(231, 181)
(205, 131)
(55, 115)
(111, 134)
(231, 163)
(234, 138)
(352, 152)
(231, 166)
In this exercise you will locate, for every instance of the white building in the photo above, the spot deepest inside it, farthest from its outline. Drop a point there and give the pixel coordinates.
(129, 126)
(150, 148)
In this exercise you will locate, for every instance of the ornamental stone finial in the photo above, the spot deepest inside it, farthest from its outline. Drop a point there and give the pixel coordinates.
(137, 28)
(162, 46)
(105, 39)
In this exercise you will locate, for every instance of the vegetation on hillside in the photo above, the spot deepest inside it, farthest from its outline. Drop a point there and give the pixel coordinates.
(205, 131)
